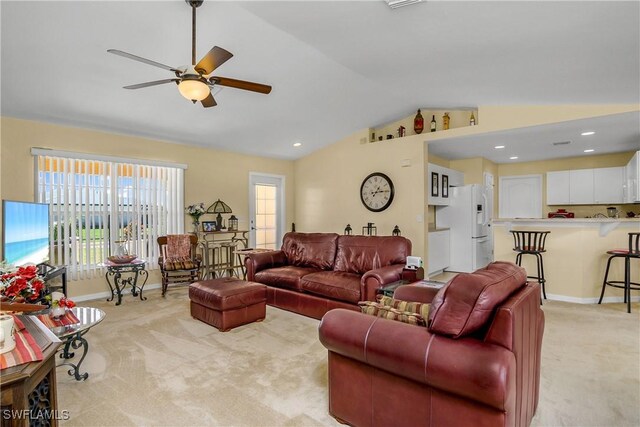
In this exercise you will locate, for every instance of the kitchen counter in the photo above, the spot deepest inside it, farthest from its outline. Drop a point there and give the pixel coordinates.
(566, 220)
(575, 257)
(605, 225)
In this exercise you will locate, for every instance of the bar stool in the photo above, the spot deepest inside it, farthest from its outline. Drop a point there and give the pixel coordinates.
(531, 243)
(632, 252)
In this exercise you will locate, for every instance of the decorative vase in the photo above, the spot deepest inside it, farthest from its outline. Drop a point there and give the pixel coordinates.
(121, 248)
(418, 123)
(57, 312)
(196, 225)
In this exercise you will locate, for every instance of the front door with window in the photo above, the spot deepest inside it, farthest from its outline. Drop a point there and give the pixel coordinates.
(266, 210)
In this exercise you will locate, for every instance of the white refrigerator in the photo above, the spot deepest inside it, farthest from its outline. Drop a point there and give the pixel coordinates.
(468, 218)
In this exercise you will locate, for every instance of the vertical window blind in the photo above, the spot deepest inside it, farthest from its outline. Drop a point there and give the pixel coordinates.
(101, 207)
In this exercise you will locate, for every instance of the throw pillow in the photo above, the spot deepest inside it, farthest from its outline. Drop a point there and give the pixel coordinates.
(184, 263)
(371, 307)
(413, 307)
(403, 316)
(385, 311)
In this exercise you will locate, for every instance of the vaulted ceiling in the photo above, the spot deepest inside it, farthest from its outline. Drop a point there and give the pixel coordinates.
(335, 67)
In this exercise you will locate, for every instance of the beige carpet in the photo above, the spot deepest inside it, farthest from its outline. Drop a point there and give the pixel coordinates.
(150, 363)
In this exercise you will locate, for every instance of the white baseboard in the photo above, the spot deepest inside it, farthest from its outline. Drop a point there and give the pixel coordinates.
(593, 300)
(107, 294)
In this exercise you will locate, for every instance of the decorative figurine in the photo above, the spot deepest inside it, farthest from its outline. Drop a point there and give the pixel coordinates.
(348, 230)
(396, 231)
(401, 131)
(418, 123)
(472, 120)
(369, 230)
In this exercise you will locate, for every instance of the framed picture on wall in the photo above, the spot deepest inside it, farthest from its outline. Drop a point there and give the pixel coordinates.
(445, 185)
(208, 226)
(434, 184)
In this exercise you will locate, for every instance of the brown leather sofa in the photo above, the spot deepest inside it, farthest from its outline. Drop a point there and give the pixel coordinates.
(477, 363)
(316, 272)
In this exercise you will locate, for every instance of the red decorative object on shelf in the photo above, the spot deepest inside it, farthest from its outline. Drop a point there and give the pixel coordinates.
(561, 213)
(418, 123)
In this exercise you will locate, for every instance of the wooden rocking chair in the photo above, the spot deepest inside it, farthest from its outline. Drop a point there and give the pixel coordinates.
(182, 266)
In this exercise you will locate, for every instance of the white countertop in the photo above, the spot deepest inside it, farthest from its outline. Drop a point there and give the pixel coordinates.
(605, 225)
(565, 220)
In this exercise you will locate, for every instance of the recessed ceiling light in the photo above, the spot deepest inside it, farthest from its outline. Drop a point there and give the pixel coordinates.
(297, 144)
(590, 150)
(587, 133)
(497, 147)
(513, 157)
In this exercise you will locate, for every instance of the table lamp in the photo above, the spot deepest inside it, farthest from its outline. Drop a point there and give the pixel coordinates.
(219, 207)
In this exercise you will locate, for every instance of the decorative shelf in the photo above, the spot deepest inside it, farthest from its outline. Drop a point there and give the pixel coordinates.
(457, 119)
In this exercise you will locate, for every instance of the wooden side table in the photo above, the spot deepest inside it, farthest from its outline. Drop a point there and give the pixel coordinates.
(29, 393)
(242, 253)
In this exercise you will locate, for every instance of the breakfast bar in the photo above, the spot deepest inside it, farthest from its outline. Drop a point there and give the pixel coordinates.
(575, 258)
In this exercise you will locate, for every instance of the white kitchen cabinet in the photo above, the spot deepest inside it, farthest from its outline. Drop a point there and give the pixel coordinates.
(438, 250)
(608, 185)
(558, 188)
(439, 185)
(588, 186)
(632, 181)
(581, 187)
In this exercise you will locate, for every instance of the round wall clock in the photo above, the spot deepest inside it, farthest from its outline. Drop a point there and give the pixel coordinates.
(376, 192)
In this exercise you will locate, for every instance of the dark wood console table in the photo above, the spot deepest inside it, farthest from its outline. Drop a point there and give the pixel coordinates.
(29, 393)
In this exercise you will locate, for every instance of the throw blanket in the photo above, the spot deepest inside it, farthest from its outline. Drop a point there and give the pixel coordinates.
(178, 246)
(177, 254)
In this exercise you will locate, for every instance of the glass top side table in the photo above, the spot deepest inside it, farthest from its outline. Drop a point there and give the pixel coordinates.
(119, 276)
(73, 337)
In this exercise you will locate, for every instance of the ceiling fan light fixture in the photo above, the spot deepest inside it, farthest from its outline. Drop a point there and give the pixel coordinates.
(394, 4)
(194, 90)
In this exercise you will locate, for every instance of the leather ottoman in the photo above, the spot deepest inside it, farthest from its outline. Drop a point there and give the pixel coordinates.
(228, 302)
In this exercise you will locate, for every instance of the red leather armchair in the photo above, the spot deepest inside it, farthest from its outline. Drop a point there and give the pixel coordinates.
(477, 363)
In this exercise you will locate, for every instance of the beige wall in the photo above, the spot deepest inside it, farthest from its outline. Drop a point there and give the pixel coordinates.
(445, 163)
(472, 169)
(328, 187)
(211, 174)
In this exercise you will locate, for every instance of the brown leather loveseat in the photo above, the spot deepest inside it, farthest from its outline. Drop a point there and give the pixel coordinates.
(477, 363)
(316, 272)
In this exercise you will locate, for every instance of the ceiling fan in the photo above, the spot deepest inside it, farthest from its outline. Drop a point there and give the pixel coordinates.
(195, 81)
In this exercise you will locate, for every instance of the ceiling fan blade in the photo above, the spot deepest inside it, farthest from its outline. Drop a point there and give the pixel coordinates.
(240, 84)
(143, 60)
(209, 102)
(153, 83)
(213, 59)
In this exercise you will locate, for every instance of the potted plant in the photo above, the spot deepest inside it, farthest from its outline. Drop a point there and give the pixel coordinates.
(195, 212)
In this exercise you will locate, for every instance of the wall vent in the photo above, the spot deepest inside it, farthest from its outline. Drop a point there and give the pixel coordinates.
(562, 143)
